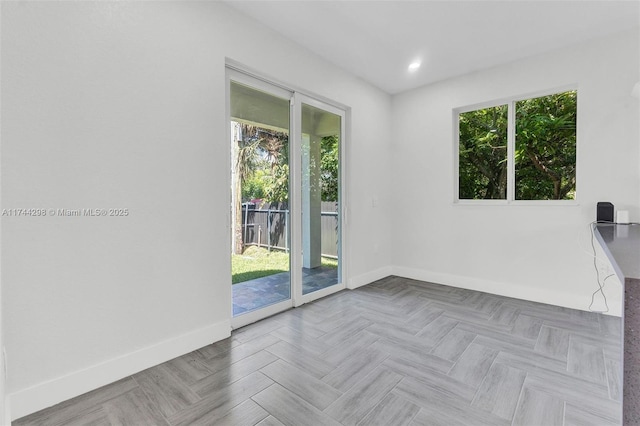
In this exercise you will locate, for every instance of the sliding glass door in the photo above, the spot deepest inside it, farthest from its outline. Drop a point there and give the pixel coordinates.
(260, 117)
(320, 141)
(286, 196)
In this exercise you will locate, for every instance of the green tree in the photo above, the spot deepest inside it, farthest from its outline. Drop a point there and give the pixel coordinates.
(483, 153)
(246, 158)
(545, 149)
(329, 175)
(254, 186)
(276, 187)
(277, 182)
(256, 149)
(262, 170)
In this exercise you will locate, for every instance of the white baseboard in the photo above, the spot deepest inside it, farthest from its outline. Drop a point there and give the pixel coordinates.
(517, 291)
(52, 392)
(369, 277)
(6, 419)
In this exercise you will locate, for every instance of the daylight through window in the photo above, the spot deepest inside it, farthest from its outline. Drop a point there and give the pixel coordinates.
(520, 150)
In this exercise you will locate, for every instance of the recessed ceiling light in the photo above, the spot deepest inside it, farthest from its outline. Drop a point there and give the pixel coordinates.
(414, 65)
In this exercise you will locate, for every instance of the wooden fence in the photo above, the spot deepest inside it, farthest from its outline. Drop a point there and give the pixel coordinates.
(267, 226)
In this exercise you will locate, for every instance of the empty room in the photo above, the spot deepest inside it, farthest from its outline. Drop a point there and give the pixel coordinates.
(320, 212)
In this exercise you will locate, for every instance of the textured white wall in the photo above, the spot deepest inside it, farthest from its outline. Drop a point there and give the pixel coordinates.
(531, 252)
(122, 105)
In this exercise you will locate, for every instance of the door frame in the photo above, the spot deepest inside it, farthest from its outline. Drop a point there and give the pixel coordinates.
(298, 100)
(239, 73)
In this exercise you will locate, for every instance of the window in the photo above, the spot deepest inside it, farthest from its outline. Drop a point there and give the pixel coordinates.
(483, 154)
(523, 149)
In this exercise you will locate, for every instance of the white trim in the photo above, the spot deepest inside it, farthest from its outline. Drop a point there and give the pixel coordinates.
(7, 411)
(343, 197)
(258, 75)
(46, 394)
(295, 201)
(511, 151)
(521, 203)
(230, 216)
(5, 408)
(546, 203)
(456, 155)
(533, 294)
(578, 168)
(505, 100)
(319, 294)
(369, 277)
(467, 202)
(489, 104)
(260, 313)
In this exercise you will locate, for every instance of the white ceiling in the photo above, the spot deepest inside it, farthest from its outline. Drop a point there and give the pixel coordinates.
(376, 40)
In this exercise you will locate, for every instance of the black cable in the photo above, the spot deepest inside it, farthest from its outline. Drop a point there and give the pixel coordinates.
(595, 264)
(600, 290)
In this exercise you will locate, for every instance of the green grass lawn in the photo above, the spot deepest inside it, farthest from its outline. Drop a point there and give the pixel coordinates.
(257, 262)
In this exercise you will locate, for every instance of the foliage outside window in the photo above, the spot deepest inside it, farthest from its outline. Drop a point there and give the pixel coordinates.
(329, 168)
(540, 142)
(263, 164)
(483, 154)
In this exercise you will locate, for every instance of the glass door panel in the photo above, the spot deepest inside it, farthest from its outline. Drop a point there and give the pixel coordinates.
(320, 140)
(260, 126)
(286, 197)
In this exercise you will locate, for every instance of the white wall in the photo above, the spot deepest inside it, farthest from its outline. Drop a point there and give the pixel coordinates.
(122, 105)
(534, 252)
(5, 417)
(4, 406)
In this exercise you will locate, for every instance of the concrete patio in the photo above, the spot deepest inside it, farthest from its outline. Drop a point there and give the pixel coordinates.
(255, 294)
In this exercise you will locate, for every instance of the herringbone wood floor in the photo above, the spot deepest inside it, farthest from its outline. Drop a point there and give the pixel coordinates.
(394, 352)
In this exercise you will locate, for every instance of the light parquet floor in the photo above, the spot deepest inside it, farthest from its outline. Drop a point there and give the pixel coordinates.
(395, 352)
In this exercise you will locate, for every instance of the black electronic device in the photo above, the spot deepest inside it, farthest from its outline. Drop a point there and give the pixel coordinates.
(604, 212)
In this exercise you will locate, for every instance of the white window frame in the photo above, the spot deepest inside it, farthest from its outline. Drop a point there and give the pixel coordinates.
(510, 102)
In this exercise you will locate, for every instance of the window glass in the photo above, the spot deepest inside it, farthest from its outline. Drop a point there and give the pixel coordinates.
(535, 159)
(545, 147)
(483, 154)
